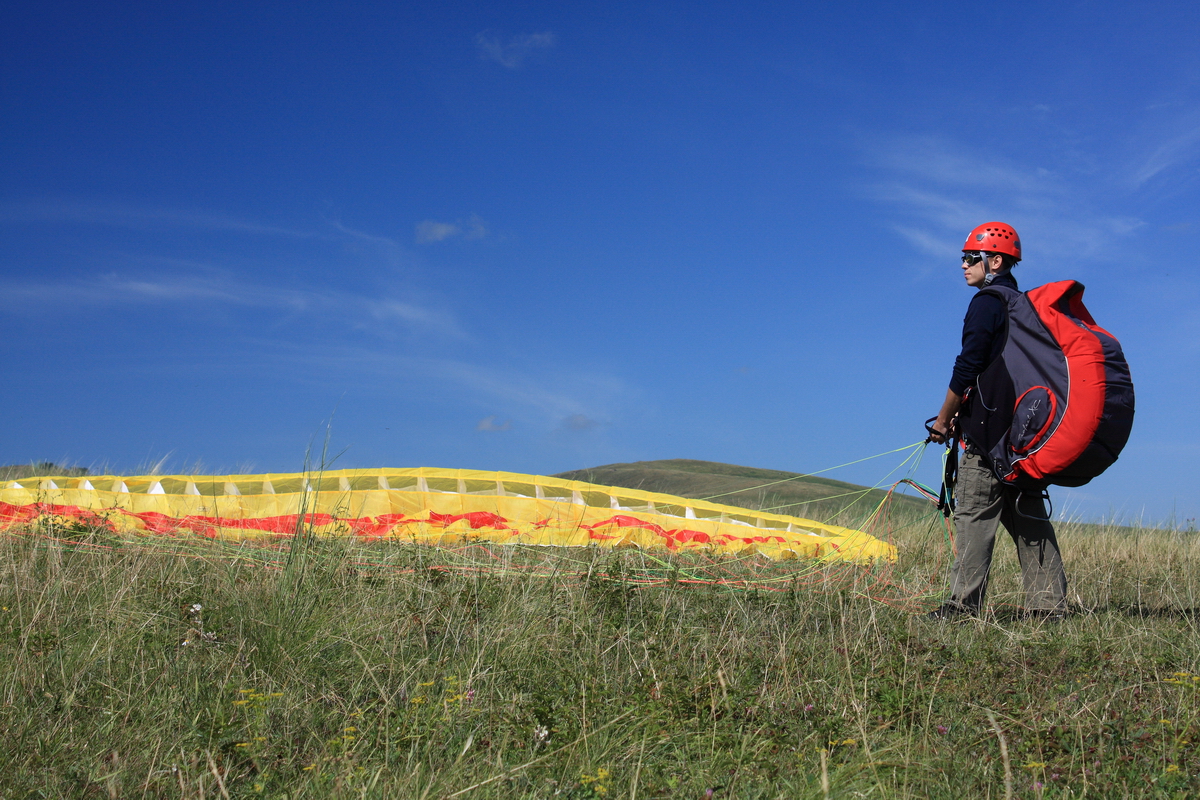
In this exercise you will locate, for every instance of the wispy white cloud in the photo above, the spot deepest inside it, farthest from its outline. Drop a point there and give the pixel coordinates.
(433, 231)
(544, 396)
(489, 424)
(523, 389)
(370, 238)
(938, 190)
(1179, 148)
(580, 422)
(220, 289)
(476, 228)
(393, 253)
(926, 242)
(932, 205)
(142, 218)
(136, 217)
(161, 279)
(513, 52)
(112, 289)
(942, 162)
(415, 316)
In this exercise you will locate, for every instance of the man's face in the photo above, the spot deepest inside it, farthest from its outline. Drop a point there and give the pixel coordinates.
(974, 273)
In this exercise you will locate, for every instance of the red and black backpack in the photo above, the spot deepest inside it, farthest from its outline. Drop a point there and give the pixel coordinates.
(1056, 406)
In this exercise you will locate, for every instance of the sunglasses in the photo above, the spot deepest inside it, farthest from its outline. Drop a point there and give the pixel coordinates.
(971, 259)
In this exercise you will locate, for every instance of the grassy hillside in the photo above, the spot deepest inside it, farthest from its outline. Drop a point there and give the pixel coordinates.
(166, 667)
(788, 493)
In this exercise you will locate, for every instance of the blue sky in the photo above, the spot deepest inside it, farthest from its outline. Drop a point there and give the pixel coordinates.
(538, 237)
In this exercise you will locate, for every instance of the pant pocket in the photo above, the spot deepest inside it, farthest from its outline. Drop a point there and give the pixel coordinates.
(977, 487)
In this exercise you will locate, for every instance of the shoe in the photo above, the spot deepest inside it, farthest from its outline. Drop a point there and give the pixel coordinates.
(950, 611)
(1045, 614)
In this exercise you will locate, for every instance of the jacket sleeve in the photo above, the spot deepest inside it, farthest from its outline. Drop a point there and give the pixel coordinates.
(981, 331)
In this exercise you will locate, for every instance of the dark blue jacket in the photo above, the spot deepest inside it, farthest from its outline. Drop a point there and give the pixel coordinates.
(982, 336)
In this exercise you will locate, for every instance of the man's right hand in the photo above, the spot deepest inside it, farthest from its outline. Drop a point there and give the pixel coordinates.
(943, 425)
(939, 432)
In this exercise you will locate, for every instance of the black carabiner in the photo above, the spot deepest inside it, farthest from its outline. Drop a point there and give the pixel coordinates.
(1044, 495)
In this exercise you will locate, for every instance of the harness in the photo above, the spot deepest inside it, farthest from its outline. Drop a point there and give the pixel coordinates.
(946, 496)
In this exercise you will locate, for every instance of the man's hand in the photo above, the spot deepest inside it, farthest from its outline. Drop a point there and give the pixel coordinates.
(944, 426)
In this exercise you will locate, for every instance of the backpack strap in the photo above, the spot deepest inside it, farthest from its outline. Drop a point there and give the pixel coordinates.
(1005, 293)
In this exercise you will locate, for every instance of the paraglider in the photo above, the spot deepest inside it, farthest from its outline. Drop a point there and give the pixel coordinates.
(426, 506)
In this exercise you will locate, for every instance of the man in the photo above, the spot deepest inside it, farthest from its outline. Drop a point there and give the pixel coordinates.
(989, 254)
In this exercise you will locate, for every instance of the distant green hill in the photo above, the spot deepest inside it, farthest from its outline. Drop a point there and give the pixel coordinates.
(814, 498)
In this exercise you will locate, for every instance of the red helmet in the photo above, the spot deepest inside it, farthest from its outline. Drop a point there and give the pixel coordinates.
(994, 237)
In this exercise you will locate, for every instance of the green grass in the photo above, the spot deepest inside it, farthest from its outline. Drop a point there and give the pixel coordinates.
(337, 670)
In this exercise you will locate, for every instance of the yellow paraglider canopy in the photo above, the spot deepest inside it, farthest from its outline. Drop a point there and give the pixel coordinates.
(429, 506)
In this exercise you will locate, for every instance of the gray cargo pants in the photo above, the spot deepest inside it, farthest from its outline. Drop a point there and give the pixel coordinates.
(983, 503)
